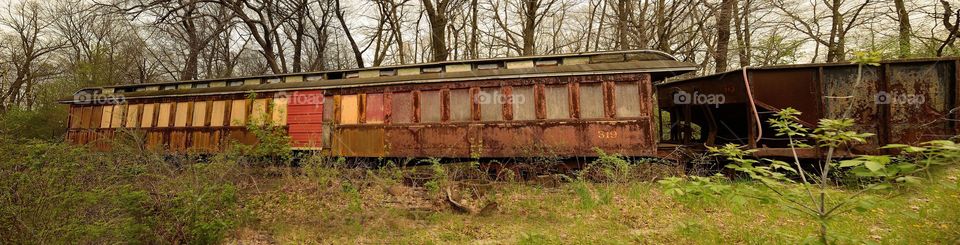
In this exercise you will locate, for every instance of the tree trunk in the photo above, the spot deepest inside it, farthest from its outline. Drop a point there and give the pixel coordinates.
(903, 17)
(723, 34)
(346, 31)
(438, 33)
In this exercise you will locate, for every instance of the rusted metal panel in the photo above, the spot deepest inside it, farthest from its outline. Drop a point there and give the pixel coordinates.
(359, 142)
(591, 100)
(445, 141)
(839, 84)
(921, 101)
(402, 141)
(507, 140)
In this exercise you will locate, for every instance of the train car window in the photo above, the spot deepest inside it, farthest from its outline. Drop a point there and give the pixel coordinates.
(401, 106)
(238, 112)
(259, 114)
(524, 106)
(628, 99)
(201, 85)
(183, 109)
(460, 105)
(199, 114)
(491, 104)
(430, 106)
(374, 109)
(591, 100)
(557, 101)
(106, 116)
(234, 83)
(146, 119)
(280, 111)
(117, 117)
(349, 109)
(163, 119)
(168, 87)
(133, 114)
(219, 108)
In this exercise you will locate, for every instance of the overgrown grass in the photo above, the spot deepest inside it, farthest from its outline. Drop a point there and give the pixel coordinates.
(294, 210)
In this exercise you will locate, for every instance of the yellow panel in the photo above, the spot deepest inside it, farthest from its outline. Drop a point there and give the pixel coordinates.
(252, 81)
(146, 120)
(218, 84)
(576, 60)
(184, 86)
(349, 109)
(163, 120)
(369, 73)
(133, 113)
(409, 71)
(152, 88)
(105, 117)
(293, 79)
(199, 114)
(117, 120)
(259, 113)
(107, 90)
(280, 111)
(520, 64)
(458, 67)
(216, 115)
(238, 113)
(181, 119)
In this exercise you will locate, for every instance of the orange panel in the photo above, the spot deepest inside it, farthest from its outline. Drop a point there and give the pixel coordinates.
(117, 120)
(238, 113)
(199, 114)
(183, 109)
(163, 120)
(217, 114)
(133, 113)
(349, 109)
(146, 119)
(374, 109)
(107, 113)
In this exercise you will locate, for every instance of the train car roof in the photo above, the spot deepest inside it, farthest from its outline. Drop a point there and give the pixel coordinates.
(594, 63)
(719, 75)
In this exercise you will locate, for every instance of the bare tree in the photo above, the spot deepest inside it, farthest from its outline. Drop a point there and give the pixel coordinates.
(26, 52)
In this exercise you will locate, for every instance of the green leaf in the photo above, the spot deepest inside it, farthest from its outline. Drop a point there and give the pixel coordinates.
(850, 163)
(873, 166)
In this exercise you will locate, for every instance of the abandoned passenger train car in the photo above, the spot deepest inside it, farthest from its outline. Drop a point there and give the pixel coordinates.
(566, 104)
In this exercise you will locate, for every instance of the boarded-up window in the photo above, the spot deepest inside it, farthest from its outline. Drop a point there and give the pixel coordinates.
(133, 115)
(199, 114)
(94, 121)
(374, 109)
(105, 119)
(349, 109)
(238, 112)
(163, 117)
(146, 119)
(628, 99)
(460, 105)
(524, 106)
(491, 104)
(401, 107)
(430, 106)
(183, 110)
(259, 113)
(85, 116)
(117, 118)
(591, 100)
(280, 111)
(76, 117)
(557, 101)
(217, 113)
(328, 109)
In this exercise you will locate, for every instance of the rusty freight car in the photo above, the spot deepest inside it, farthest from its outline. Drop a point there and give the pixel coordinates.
(901, 101)
(567, 104)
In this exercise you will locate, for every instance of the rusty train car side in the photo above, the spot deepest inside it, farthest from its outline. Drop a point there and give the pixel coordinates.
(900, 101)
(565, 104)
